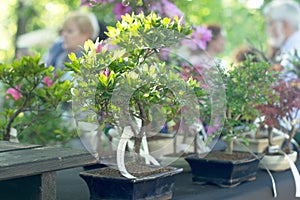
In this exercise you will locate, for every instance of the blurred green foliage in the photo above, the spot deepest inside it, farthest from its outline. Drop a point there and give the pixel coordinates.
(239, 21)
(24, 16)
(52, 129)
(34, 100)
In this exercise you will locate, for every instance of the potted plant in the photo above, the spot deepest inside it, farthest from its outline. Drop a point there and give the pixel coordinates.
(128, 89)
(257, 140)
(32, 91)
(282, 115)
(246, 87)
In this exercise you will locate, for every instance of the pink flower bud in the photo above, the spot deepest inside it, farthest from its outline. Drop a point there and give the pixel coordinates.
(106, 72)
(48, 81)
(14, 92)
(98, 48)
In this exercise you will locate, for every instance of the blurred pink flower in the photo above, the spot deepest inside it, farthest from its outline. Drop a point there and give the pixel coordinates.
(98, 47)
(14, 92)
(200, 37)
(48, 81)
(120, 10)
(106, 72)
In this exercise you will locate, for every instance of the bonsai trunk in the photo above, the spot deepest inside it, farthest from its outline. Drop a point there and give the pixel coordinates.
(195, 143)
(229, 148)
(291, 136)
(229, 142)
(270, 136)
(9, 124)
(138, 138)
(12, 119)
(7, 134)
(137, 143)
(258, 130)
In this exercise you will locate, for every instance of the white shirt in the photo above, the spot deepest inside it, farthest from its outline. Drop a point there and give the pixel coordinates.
(287, 52)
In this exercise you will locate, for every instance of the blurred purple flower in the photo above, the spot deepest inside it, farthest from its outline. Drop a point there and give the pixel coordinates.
(211, 129)
(200, 37)
(164, 54)
(215, 127)
(156, 7)
(171, 10)
(140, 10)
(166, 9)
(120, 10)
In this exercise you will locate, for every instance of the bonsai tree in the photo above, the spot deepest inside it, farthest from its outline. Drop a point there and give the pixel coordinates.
(246, 86)
(31, 89)
(283, 114)
(122, 82)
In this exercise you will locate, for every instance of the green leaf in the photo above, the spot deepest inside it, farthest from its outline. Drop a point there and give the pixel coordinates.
(72, 56)
(89, 45)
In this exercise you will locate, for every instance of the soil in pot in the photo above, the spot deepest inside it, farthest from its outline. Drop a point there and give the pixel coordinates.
(152, 182)
(134, 169)
(225, 170)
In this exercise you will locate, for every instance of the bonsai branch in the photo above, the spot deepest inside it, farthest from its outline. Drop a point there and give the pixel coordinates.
(12, 119)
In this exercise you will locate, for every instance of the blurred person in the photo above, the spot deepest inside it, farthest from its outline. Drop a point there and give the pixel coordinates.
(242, 53)
(283, 35)
(20, 52)
(77, 28)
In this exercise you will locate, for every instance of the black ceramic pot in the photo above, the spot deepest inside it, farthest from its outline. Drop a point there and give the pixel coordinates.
(153, 187)
(223, 172)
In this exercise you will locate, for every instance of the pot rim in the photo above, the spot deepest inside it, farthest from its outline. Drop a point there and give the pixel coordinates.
(172, 171)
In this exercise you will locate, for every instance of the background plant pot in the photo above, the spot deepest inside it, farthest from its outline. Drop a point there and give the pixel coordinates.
(277, 162)
(156, 186)
(163, 144)
(258, 145)
(225, 173)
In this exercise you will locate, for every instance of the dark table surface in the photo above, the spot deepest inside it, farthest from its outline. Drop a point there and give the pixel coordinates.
(71, 187)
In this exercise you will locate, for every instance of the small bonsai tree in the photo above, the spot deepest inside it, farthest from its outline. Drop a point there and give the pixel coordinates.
(246, 86)
(31, 89)
(283, 113)
(122, 82)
